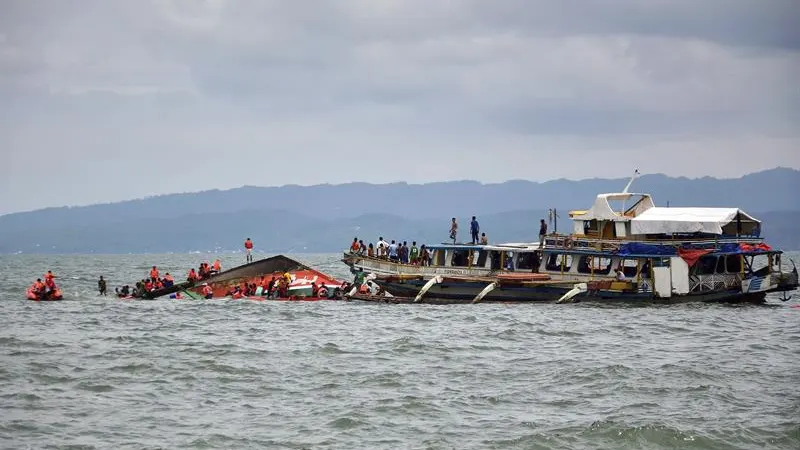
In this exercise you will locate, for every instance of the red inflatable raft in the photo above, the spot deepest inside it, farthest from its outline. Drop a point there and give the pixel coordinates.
(44, 298)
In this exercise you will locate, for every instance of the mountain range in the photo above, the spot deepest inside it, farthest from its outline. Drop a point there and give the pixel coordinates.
(325, 218)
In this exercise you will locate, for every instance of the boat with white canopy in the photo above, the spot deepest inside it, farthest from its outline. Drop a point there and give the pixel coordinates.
(623, 247)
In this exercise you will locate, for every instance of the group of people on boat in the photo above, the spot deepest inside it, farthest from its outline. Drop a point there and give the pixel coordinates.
(276, 287)
(204, 271)
(45, 290)
(395, 251)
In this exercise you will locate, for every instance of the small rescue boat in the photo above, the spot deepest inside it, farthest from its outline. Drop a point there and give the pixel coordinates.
(53, 296)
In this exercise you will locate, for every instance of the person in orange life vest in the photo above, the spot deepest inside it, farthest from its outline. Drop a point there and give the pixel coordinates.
(49, 276)
(248, 248)
(208, 293)
(217, 266)
(201, 272)
(154, 274)
(148, 285)
(168, 280)
(158, 284)
(192, 277)
(38, 287)
(354, 246)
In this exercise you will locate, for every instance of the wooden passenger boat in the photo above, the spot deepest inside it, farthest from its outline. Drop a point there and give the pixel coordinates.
(638, 253)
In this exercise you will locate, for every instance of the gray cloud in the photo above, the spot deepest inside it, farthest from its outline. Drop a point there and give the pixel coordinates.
(116, 94)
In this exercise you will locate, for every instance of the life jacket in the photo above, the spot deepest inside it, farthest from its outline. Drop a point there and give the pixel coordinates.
(248, 244)
(50, 284)
(38, 286)
(148, 285)
(153, 273)
(363, 289)
(355, 247)
(217, 265)
(169, 278)
(192, 275)
(207, 290)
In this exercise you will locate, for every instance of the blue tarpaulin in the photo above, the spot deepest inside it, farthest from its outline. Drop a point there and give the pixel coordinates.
(635, 248)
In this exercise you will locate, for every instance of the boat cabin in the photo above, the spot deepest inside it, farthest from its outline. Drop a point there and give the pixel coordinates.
(610, 218)
(490, 257)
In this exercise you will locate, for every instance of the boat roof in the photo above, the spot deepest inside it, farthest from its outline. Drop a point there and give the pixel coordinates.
(659, 220)
(499, 247)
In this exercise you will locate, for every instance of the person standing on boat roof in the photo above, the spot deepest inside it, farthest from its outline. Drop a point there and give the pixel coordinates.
(101, 285)
(393, 251)
(542, 232)
(248, 249)
(453, 230)
(474, 229)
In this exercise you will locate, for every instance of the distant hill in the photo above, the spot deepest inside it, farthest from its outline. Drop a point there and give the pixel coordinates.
(327, 217)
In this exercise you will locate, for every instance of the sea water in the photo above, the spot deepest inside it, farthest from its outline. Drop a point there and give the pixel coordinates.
(97, 372)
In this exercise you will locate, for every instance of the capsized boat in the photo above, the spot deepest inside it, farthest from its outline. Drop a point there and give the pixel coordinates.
(640, 253)
(47, 297)
(257, 273)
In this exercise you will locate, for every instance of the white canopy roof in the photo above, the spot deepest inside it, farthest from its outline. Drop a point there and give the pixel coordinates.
(658, 220)
(602, 210)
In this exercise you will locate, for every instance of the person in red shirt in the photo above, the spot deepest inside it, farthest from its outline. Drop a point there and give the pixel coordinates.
(248, 249)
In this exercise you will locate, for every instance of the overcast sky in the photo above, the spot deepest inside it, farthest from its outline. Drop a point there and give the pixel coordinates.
(108, 100)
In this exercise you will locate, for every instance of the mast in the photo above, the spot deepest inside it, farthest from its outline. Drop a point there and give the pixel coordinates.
(628, 186)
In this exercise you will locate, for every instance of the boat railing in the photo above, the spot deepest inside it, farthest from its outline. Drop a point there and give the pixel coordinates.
(569, 241)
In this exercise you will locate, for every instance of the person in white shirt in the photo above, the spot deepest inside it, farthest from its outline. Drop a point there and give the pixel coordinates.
(620, 274)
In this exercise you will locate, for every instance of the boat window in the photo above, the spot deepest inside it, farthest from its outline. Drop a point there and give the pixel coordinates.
(733, 263)
(721, 264)
(495, 258)
(584, 264)
(482, 258)
(664, 262)
(759, 262)
(555, 260)
(527, 260)
(438, 257)
(629, 267)
(460, 258)
(602, 265)
(706, 265)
